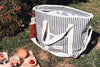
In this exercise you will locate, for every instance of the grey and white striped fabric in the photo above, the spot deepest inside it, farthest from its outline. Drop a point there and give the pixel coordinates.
(73, 29)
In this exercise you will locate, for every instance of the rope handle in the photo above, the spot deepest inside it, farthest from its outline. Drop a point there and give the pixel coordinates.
(45, 38)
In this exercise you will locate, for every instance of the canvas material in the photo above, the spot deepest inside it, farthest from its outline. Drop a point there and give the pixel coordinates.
(70, 46)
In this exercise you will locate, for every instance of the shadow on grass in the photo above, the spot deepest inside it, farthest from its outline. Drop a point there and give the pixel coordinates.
(93, 42)
(64, 2)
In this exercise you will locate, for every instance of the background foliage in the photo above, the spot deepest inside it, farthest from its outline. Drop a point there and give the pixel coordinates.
(15, 15)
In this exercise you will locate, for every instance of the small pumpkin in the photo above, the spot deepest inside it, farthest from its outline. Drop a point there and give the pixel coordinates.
(22, 53)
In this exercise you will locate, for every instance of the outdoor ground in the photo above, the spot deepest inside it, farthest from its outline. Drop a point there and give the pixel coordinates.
(92, 59)
(46, 59)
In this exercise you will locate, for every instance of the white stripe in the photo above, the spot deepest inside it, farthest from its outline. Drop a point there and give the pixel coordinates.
(56, 28)
(70, 39)
(85, 44)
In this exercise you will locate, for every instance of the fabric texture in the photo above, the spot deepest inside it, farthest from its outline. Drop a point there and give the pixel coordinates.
(72, 44)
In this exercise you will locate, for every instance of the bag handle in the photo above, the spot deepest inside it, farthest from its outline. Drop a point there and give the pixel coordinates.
(45, 37)
(60, 54)
(46, 34)
(86, 40)
(46, 30)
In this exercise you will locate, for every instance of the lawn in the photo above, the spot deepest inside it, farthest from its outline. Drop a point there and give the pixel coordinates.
(92, 59)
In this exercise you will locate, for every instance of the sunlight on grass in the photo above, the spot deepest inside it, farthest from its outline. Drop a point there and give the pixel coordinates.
(90, 60)
(9, 44)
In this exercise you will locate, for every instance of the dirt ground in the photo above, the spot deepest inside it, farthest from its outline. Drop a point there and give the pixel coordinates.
(43, 55)
(65, 63)
(98, 45)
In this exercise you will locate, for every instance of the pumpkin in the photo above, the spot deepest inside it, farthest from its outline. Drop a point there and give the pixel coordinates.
(22, 53)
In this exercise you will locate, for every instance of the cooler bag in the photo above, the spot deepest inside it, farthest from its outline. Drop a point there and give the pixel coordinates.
(61, 30)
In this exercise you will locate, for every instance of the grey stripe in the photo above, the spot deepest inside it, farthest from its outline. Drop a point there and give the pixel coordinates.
(59, 24)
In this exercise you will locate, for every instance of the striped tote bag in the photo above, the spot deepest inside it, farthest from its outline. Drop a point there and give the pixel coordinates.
(61, 30)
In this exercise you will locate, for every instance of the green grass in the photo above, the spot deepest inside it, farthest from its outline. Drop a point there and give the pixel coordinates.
(90, 60)
(9, 44)
(12, 44)
(22, 40)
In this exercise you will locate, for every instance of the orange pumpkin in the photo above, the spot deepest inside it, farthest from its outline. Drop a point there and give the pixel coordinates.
(22, 53)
